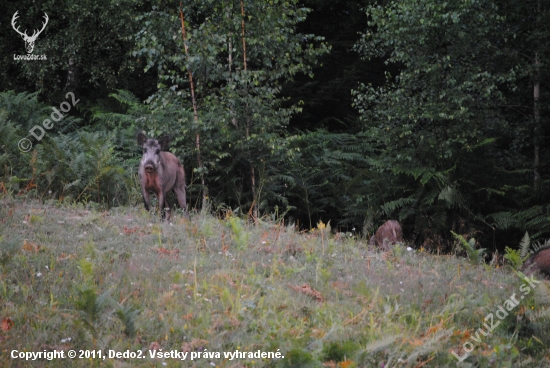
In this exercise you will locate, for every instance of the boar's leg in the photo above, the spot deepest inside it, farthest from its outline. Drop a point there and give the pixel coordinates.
(179, 190)
(146, 199)
(386, 244)
(164, 206)
(180, 194)
(167, 211)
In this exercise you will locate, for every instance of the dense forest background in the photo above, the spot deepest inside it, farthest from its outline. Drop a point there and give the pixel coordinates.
(430, 112)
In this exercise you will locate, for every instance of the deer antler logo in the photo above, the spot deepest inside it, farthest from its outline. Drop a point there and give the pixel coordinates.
(29, 40)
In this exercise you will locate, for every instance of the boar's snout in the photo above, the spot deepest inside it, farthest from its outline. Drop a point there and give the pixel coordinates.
(149, 167)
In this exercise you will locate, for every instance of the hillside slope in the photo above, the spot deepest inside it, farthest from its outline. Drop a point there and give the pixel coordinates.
(120, 282)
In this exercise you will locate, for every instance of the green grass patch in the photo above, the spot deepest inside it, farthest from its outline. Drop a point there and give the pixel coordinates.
(77, 278)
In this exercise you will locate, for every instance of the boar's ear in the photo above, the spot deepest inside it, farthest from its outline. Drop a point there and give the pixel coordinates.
(164, 142)
(141, 139)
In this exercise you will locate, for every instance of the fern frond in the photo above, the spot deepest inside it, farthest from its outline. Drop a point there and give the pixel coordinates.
(127, 316)
(513, 256)
(382, 344)
(524, 245)
(390, 207)
(476, 256)
(503, 220)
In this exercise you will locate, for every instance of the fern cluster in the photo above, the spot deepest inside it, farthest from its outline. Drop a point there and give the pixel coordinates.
(475, 255)
(65, 163)
(94, 307)
(357, 180)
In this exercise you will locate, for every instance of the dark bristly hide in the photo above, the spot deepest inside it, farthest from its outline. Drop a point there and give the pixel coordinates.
(159, 173)
(387, 234)
(539, 262)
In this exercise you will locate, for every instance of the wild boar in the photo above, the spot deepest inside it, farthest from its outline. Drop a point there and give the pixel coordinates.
(538, 262)
(387, 234)
(160, 172)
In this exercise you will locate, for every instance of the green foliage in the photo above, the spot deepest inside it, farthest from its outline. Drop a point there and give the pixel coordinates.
(513, 256)
(92, 308)
(324, 176)
(8, 247)
(524, 246)
(240, 112)
(23, 109)
(534, 219)
(339, 351)
(10, 158)
(86, 302)
(263, 297)
(238, 230)
(95, 308)
(372, 356)
(84, 42)
(527, 247)
(445, 139)
(124, 115)
(441, 134)
(18, 114)
(87, 269)
(82, 166)
(476, 256)
(127, 316)
(535, 320)
(79, 165)
(298, 358)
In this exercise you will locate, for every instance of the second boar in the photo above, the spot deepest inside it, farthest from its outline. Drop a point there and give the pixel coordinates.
(387, 234)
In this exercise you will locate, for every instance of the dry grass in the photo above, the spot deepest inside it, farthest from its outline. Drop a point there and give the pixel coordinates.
(76, 278)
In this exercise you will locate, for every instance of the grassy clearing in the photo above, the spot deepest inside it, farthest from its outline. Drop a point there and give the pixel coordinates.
(77, 278)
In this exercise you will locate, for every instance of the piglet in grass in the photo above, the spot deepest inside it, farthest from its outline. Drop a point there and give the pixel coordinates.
(387, 234)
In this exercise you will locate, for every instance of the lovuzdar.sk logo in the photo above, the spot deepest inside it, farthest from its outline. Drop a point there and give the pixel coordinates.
(29, 40)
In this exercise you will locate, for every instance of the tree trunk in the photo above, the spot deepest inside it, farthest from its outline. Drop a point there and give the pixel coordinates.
(230, 66)
(70, 83)
(536, 127)
(536, 111)
(254, 207)
(195, 113)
